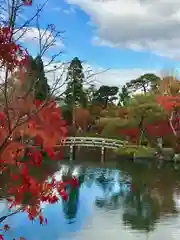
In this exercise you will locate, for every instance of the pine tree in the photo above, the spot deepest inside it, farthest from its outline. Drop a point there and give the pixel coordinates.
(36, 81)
(75, 93)
(42, 89)
(31, 75)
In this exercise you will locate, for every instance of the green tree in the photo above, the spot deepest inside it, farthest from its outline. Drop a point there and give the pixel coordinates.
(42, 89)
(145, 109)
(31, 75)
(141, 109)
(75, 93)
(105, 95)
(36, 80)
(124, 96)
(145, 82)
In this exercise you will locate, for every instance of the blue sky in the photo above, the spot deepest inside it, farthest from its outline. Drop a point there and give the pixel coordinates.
(83, 20)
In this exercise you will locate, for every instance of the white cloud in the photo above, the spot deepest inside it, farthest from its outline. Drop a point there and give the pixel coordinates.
(56, 9)
(100, 76)
(151, 25)
(118, 77)
(56, 75)
(69, 11)
(30, 36)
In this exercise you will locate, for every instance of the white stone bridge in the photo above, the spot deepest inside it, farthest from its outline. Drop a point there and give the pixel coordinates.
(102, 143)
(92, 142)
(95, 142)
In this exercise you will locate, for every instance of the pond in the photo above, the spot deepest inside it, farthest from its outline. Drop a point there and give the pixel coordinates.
(130, 201)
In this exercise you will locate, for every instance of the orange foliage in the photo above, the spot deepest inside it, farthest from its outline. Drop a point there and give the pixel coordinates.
(46, 128)
(25, 121)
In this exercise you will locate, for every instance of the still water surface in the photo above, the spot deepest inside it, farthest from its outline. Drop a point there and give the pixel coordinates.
(129, 202)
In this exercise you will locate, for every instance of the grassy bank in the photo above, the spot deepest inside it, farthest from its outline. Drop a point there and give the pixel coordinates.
(135, 151)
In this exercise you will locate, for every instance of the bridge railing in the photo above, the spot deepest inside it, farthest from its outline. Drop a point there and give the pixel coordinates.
(89, 142)
(92, 141)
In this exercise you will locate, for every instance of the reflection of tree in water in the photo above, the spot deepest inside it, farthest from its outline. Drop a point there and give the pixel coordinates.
(143, 212)
(111, 187)
(89, 180)
(104, 182)
(161, 182)
(144, 205)
(140, 210)
(70, 206)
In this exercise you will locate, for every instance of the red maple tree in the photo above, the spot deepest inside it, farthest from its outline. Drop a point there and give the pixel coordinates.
(26, 121)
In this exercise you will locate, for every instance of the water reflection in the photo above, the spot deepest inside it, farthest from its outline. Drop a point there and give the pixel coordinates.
(70, 206)
(142, 205)
(138, 198)
(141, 211)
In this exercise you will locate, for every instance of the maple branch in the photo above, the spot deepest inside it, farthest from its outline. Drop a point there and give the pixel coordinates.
(55, 67)
(12, 18)
(48, 38)
(13, 13)
(90, 75)
(11, 214)
(6, 100)
(27, 22)
(22, 119)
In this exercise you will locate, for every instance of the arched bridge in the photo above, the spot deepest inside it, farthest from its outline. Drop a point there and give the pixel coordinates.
(103, 143)
(93, 142)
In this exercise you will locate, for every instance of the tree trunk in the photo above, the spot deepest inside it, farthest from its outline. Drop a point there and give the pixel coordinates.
(106, 103)
(144, 89)
(141, 128)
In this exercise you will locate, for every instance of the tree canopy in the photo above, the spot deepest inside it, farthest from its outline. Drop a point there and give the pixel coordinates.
(144, 83)
(105, 94)
(36, 81)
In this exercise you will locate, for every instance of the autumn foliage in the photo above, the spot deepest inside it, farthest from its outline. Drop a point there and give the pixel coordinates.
(166, 127)
(29, 130)
(11, 53)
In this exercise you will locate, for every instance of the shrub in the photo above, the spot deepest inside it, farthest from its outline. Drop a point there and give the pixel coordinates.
(138, 151)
